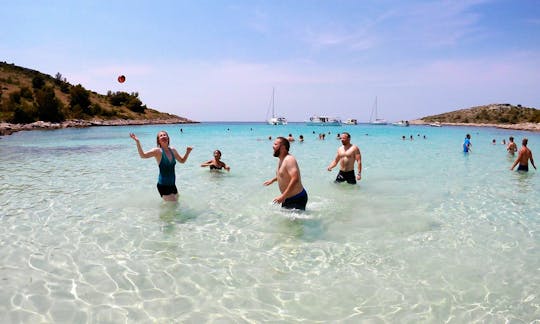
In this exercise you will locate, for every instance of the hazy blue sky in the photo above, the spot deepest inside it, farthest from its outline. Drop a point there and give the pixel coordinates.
(218, 60)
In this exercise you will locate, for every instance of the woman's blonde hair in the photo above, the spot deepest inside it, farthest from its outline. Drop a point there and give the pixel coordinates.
(157, 138)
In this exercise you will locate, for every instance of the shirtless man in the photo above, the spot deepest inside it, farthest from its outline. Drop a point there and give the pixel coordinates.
(293, 194)
(346, 155)
(523, 158)
(512, 147)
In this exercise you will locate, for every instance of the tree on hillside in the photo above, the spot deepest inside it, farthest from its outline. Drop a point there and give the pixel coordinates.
(80, 97)
(26, 93)
(24, 113)
(20, 104)
(135, 105)
(38, 82)
(118, 98)
(58, 78)
(61, 82)
(15, 97)
(131, 101)
(49, 107)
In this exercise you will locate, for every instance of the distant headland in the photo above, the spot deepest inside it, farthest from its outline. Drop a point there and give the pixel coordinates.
(493, 115)
(30, 100)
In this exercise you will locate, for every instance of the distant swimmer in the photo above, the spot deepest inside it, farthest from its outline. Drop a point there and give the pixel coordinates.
(523, 158)
(216, 163)
(346, 156)
(166, 157)
(293, 195)
(467, 144)
(290, 138)
(512, 147)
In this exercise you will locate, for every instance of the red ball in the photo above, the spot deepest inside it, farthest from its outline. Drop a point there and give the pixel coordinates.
(121, 79)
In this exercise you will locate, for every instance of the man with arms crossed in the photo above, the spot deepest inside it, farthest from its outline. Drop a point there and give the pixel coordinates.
(346, 155)
(523, 158)
(293, 195)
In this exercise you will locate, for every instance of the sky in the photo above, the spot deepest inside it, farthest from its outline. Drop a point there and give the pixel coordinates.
(219, 60)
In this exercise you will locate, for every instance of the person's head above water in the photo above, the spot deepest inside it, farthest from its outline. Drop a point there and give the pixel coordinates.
(162, 137)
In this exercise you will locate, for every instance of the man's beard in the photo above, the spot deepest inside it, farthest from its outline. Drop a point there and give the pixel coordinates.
(276, 153)
(343, 142)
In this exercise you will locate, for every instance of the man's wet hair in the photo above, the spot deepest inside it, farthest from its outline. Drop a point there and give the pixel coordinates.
(285, 142)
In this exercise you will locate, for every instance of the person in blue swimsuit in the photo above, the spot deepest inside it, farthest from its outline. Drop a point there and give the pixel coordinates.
(216, 163)
(467, 144)
(166, 157)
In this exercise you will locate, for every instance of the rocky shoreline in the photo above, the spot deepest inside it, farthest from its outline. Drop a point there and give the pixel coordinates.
(8, 129)
(533, 127)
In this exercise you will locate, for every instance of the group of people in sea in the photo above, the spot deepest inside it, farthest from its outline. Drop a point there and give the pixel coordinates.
(524, 154)
(293, 195)
(412, 137)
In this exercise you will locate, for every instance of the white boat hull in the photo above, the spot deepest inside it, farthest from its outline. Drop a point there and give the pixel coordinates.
(323, 121)
(277, 121)
(401, 124)
(379, 122)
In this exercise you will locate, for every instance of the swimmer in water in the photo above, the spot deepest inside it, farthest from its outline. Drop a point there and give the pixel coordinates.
(216, 163)
(166, 157)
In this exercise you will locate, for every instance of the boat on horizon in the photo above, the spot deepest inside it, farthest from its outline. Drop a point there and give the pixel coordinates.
(401, 123)
(323, 121)
(275, 120)
(435, 124)
(374, 113)
(351, 121)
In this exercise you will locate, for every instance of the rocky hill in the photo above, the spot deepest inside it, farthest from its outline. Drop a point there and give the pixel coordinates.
(29, 97)
(493, 114)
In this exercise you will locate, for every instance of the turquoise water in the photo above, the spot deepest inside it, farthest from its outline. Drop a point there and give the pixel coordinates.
(429, 235)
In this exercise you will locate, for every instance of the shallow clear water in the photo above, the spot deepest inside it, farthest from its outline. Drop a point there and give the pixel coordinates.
(428, 235)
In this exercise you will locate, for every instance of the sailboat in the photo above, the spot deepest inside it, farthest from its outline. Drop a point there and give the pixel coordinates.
(275, 120)
(376, 121)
